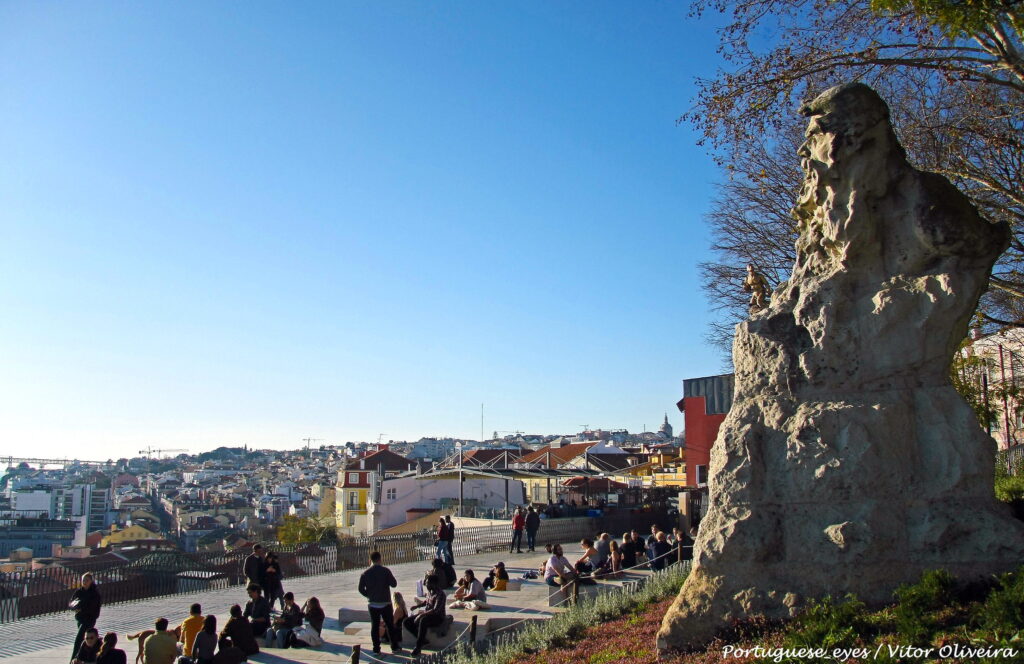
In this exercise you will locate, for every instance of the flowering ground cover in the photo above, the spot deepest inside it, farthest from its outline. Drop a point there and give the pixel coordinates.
(937, 619)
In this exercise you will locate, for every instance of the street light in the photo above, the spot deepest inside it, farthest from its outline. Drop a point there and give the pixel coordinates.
(458, 450)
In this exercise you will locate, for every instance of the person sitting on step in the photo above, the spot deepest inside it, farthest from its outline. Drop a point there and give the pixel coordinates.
(497, 578)
(471, 595)
(427, 614)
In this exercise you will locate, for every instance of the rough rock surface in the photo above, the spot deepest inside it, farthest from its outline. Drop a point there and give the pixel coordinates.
(848, 463)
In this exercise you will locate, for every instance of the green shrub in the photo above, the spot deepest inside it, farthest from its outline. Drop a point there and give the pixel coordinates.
(914, 615)
(566, 627)
(829, 624)
(1003, 610)
(1010, 488)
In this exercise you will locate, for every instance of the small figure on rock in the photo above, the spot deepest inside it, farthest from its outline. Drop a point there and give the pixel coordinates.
(757, 286)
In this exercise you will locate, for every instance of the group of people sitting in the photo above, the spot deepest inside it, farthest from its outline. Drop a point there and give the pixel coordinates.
(606, 557)
(283, 628)
(390, 615)
(197, 641)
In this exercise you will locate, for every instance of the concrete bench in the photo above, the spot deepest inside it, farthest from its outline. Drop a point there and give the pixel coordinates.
(354, 622)
(557, 597)
(346, 616)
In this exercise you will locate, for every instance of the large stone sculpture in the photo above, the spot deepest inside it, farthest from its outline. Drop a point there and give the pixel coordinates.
(848, 463)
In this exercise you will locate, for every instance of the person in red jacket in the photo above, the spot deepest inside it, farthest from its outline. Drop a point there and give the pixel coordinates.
(518, 524)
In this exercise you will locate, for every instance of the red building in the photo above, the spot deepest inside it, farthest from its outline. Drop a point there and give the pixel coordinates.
(706, 401)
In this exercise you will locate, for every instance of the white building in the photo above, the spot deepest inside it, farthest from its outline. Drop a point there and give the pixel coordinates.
(400, 494)
(34, 503)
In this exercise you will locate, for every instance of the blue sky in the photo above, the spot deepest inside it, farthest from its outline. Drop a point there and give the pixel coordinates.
(229, 223)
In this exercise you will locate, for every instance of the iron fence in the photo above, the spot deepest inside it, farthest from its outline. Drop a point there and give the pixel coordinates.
(158, 573)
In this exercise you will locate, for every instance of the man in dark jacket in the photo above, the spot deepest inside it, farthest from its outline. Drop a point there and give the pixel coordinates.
(254, 567)
(375, 585)
(428, 614)
(257, 610)
(639, 545)
(532, 525)
(86, 604)
(449, 538)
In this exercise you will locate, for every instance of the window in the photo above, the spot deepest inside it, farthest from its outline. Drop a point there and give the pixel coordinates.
(353, 499)
(351, 520)
(392, 494)
(353, 478)
(702, 475)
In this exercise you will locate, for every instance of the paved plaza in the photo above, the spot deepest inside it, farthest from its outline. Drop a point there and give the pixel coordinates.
(48, 639)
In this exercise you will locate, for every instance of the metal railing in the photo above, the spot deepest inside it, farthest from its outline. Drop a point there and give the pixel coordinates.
(159, 573)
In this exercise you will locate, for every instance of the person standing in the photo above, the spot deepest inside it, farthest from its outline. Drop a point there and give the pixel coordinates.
(375, 585)
(658, 551)
(518, 524)
(532, 525)
(449, 556)
(273, 590)
(441, 537)
(253, 567)
(86, 603)
(639, 545)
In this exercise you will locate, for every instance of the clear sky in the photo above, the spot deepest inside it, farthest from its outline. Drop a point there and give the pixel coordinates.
(250, 223)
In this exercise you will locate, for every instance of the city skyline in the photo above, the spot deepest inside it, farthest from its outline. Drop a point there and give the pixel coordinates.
(228, 227)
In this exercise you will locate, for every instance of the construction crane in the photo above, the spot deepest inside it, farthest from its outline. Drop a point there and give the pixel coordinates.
(311, 440)
(148, 452)
(379, 436)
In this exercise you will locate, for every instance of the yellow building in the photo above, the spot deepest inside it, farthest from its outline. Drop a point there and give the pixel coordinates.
(129, 534)
(350, 500)
(663, 469)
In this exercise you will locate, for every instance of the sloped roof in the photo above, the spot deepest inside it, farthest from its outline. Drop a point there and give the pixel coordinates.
(593, 483)
(386, 458)
(484, 457)
(558, 455)
(169, 561)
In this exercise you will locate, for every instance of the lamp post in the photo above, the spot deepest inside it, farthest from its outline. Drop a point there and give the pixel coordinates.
(458, 450)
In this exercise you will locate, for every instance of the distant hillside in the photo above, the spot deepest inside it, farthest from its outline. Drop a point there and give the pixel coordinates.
(226, 454)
